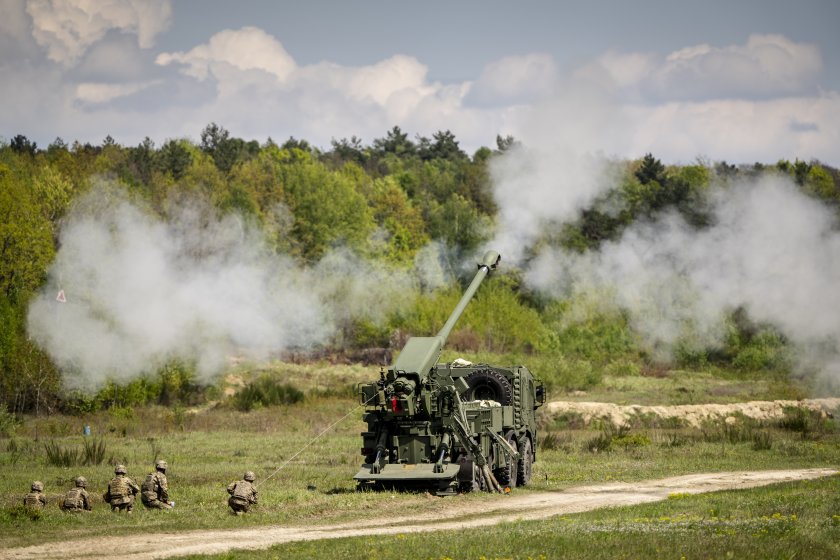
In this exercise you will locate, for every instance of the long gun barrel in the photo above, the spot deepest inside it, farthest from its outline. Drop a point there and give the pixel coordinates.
(490, 260)
(421, 353)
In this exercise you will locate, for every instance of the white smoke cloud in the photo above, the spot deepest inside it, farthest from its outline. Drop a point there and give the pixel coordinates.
(66, 28)
(561, 165)
(141, 291)
(771, 251)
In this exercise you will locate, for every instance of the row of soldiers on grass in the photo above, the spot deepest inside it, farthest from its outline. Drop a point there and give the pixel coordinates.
(154, 493)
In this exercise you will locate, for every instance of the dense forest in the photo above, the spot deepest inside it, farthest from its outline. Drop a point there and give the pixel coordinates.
(384, 202)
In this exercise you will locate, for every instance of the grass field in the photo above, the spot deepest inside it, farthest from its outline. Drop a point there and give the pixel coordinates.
(208, 448)
(793, 520)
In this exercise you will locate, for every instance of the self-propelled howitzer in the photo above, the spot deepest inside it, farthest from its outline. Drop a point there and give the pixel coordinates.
(449, 427)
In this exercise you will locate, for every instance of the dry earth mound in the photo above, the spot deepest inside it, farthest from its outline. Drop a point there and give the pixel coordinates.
(694, 415)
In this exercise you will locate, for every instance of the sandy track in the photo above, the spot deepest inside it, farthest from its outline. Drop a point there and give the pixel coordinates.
(525, 505)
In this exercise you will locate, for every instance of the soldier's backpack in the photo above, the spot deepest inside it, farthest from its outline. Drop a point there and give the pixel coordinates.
(119, 490)
(73, 499)
(32, 500)
(149, 487)
(242, 491)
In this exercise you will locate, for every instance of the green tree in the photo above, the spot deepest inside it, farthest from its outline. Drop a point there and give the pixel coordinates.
(820, 183)
(458, 223)
(26, 237)
(395, 142)
(22, 145)
(395, 213)
(225, 150)
(328, 210)
(53, 192)
(442, 146)
(174, 158)
(351, 150)
(28, 380)
(650, 170)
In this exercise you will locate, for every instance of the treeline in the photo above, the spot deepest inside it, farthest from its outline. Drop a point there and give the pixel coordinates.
(385, 201)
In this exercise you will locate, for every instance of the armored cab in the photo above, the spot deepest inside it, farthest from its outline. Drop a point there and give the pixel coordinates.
(449, 427)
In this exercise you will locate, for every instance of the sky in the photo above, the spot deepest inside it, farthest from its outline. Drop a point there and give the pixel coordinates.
(740, 81)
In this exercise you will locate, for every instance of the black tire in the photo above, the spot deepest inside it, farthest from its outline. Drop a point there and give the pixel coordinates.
(468, 476)
(489, 385)
(526, 461)
(508, 475)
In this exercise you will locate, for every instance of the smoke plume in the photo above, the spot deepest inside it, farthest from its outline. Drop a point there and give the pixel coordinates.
(771, 251)
(141, 291)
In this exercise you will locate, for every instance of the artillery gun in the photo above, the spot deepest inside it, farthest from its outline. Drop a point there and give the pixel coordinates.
(449, 427)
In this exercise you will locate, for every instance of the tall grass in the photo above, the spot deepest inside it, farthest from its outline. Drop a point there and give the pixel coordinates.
(91, 453)
(266, 391)
(59, 456)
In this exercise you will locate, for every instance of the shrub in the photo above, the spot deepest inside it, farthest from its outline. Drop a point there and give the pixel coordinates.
(804, 421)
(609, 435)
(20, 512)
(93, 452)
(16, 450)
(627, 440)
(673, 439)
(762, 441)
(266, 391)
(734, 429)
(551, 440)
(59, 456)
(8, 423)
(569, 421)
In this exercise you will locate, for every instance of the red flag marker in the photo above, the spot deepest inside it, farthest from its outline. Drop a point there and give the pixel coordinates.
(60, 297)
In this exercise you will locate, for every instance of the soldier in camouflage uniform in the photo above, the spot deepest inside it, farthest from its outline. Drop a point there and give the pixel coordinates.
(35, 499)
(121, 491)
(242, 494)
(77, 499)
(155, 490)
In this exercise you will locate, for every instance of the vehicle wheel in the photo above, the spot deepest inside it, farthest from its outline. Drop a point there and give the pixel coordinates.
(507, 475)
(526, 461)
(489, 385)
(468, 475)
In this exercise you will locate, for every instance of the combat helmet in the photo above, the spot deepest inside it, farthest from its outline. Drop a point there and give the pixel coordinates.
(160, 465)
(37, 486)
(81, 481)
(249, 476)
(119, 469)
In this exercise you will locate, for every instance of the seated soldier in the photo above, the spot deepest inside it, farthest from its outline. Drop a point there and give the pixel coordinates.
(35, 499)
(242, 494)
(77, 499)
(155, 490)
(121, 491)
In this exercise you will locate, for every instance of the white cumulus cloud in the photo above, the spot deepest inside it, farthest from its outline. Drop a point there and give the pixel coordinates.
(765, 66)
(248, 48)
(66, 28)
(516, 79)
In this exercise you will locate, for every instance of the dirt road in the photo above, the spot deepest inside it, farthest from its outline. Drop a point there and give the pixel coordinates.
(526, 505)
